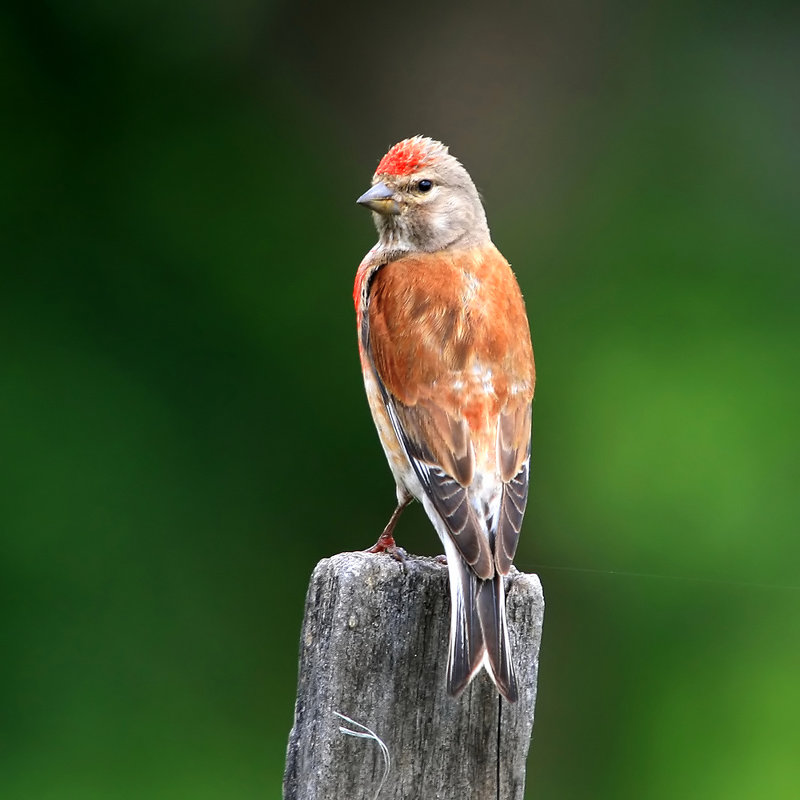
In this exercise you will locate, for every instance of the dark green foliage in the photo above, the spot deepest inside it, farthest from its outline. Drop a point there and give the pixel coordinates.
(184, 429)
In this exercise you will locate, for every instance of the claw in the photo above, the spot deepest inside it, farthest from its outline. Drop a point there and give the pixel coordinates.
(387, 544)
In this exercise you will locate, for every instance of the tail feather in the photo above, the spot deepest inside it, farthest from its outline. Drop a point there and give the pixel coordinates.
(491, 603)
(478, 630)
(466, 633)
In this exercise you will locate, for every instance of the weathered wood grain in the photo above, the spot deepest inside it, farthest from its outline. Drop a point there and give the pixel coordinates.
(374, 648)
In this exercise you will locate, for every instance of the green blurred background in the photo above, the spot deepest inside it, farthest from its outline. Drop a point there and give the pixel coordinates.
(184, 429)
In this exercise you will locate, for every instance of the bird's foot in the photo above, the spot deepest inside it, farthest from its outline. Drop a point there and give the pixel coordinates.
(387, 544)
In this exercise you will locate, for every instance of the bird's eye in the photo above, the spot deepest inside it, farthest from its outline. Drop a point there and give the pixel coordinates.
(425, 185)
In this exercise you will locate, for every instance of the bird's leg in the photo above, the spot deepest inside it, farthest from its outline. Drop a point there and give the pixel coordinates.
(386, 542)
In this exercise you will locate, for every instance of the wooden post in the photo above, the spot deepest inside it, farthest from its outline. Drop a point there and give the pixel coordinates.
(374, 649)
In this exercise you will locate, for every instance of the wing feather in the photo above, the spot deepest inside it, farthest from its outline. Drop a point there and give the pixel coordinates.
(513, 458)
(448, 496)
(509, 524)
(456, 376)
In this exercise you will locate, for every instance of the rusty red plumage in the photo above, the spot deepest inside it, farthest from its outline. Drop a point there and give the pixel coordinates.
(449, 373)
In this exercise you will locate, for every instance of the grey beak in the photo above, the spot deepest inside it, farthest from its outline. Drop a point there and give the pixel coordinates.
(380, 198)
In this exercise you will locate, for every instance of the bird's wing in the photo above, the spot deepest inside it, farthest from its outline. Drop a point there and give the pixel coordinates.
(448, 339)
(445, 472)
(514, 458)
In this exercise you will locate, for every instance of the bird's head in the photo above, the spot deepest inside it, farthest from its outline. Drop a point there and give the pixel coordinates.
(423, 200)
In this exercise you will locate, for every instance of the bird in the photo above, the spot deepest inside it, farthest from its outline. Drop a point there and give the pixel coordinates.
(447, 360)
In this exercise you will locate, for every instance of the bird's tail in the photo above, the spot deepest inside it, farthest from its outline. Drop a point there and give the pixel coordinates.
(478, 630)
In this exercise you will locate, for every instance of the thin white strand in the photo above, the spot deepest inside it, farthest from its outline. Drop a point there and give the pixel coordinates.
(366, 733)
(665, 577)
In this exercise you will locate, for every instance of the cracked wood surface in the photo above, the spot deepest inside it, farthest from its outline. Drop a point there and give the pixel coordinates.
(374, 648)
